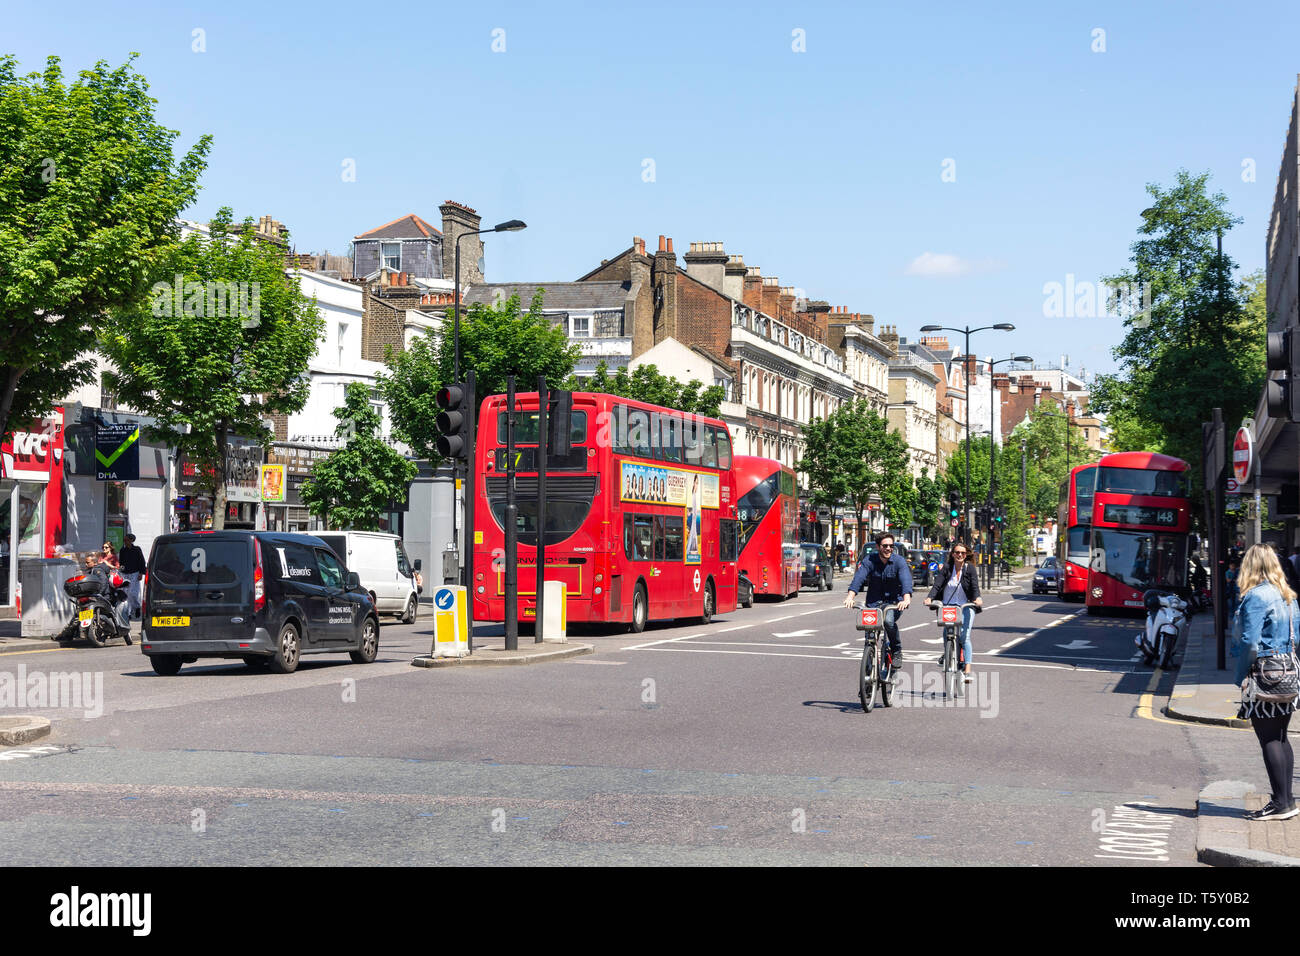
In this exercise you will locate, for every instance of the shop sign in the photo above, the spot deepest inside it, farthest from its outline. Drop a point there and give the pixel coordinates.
(117, 451)
(32, 455)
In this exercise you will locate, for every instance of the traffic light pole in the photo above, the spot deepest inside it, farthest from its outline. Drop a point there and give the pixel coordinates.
(543, 456)
(511, 525)
(471, 499)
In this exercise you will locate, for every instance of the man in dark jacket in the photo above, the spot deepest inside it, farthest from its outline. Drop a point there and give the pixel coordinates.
(888, 580)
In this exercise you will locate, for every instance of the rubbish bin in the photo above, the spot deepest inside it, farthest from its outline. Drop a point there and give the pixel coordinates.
(47, 609)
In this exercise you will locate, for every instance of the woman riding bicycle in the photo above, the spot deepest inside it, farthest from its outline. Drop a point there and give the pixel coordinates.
(957, 583)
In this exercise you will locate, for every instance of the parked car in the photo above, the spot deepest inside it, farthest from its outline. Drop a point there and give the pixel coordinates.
(925, 565)
(818, 568)
(385, 571)
(1046, 577)
(264, 597)
(744, 590)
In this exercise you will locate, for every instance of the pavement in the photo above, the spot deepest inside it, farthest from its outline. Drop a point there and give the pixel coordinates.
(1206, 695)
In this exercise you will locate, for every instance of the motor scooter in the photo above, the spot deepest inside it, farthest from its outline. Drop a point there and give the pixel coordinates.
(103, 611)
(1166, 622)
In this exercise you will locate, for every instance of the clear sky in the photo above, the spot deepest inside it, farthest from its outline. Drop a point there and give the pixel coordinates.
(811, 139)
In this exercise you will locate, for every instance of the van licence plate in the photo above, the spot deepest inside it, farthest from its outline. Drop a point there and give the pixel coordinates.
(171, 621)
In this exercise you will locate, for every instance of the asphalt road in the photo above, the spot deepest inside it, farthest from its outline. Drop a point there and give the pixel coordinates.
(740, 742)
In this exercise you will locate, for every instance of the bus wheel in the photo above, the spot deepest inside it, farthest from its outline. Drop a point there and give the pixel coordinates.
(640, 610)
(709, 604)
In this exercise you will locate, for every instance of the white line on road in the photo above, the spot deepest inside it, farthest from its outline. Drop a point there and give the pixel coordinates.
(606, 663)
(773, 620)
(726, 629)
(668, 640)
(1059, 620)
(841, 658)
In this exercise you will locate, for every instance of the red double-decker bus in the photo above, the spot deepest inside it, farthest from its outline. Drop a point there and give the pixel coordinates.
(1141, 520)
(640, 516)
(1074, 532)
(767, 509)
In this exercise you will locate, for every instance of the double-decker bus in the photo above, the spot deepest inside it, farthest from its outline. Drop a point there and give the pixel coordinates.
(1141, 519)
(767, 509)
(640, 515)
(1074, 532)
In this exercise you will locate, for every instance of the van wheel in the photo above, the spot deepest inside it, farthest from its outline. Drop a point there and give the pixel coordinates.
(167, 665)
(369, 642)
(640, 610)
(285, 659)
(412, 603)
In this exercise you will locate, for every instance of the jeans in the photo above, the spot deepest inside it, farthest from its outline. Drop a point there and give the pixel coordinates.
(891, 631)
(967, 622)
(133, 593)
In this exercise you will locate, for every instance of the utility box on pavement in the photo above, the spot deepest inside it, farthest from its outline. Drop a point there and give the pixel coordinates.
(47, 609)
(555, 621)
(450, 622)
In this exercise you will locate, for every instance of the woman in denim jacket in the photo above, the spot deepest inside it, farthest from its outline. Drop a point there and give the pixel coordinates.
(1264, 626)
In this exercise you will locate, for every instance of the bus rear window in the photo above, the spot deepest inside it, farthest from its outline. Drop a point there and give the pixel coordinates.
(526, 428)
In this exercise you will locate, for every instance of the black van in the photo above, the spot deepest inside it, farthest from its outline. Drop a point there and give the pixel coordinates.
(262, 596)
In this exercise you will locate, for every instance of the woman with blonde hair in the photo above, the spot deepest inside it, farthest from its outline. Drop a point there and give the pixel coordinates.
(1264, 626)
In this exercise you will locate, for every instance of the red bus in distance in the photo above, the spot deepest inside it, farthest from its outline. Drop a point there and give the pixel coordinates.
(641, 518)
(767, 511)
(1141, 520)
(1074, 532)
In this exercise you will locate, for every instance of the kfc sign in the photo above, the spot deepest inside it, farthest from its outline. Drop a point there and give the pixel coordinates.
(32, 455)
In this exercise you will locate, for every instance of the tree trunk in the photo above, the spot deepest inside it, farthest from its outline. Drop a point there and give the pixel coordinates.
(8, 395)
(219, 489)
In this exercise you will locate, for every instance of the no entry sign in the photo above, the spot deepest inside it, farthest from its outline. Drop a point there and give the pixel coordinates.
(1243, 449)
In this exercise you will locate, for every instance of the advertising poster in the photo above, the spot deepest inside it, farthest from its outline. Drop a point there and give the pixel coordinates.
(273, 483)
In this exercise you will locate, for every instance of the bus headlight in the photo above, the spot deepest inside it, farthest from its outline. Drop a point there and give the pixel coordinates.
(480, 589)
(1096, 592)
(598, 591)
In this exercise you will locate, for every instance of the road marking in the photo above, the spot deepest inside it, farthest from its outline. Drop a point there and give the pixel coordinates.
(1039, 630)
(1076, 645)
(606, 663)
(1015, 642)
(913, 627)
(1005, 603)
(1144, 705)
(807, 647)
(726, 629)
(843, 654)
(775, 619)
(806, 632)
(932, 640)
(669, 640)
(44, 650)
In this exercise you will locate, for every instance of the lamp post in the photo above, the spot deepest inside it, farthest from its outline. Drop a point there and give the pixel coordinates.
(967, 330)
(463, 548)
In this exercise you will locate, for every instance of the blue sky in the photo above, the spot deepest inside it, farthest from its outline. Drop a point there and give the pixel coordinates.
(823, 167)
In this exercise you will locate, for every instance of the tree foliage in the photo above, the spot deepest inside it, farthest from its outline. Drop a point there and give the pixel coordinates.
(354, 486)
(852, 456)
(89, 195)
(495, 342)
(931, 504)
(646, 383)
(207, 368)
(1202, 343)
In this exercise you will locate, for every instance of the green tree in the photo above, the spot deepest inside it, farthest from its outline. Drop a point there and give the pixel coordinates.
(495, 342)
(852, 456)
(353, 487)
(1200, 344)
(89, 195)
(222, 346)
(931, 503)
(646, 383)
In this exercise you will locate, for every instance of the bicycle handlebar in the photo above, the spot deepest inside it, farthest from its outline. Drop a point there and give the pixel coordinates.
(882, 607)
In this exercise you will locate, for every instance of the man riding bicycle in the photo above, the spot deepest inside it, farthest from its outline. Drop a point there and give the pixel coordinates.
(957, 583)
(888, 580)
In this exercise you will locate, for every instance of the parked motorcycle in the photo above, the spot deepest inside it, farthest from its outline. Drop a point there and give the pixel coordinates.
(103, 611)
(1166, 622)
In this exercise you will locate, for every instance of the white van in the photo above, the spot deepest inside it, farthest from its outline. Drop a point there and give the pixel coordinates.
(385, 571)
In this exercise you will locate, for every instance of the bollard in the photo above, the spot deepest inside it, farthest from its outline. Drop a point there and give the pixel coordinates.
(556, 613)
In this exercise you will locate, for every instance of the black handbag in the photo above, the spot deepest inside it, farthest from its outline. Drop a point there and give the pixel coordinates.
(1275, 678)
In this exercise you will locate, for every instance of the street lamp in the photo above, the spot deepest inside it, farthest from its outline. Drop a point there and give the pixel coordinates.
(967, 330)
(513, 225)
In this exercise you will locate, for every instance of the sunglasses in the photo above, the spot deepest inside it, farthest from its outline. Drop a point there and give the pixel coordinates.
(886, 547)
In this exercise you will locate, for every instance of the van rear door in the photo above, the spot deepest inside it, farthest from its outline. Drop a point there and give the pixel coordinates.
(201, 587)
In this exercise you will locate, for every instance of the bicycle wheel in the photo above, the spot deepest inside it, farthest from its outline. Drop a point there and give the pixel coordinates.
(867, 677)
(886, 681)
(949, 667)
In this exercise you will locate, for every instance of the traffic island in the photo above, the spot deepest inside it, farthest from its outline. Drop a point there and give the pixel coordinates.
(491, 651)
(22, 730)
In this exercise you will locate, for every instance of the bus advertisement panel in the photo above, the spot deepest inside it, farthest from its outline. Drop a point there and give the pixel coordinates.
(640, 517)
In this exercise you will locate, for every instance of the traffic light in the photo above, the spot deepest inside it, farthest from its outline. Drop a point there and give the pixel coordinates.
(954, 505)
(453, 422)
(999, 515)
(1283, 354)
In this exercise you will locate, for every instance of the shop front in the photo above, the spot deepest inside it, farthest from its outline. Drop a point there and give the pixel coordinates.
(31, 498)
(193, 503)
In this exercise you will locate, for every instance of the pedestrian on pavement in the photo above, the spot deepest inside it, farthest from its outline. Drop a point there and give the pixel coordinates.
(957, 583)
(1230, 585)
(108, 556)
(888, 580)
(132, 559)
(1264, 626)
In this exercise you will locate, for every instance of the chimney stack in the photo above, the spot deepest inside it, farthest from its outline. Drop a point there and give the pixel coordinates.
(457, 220)
(707, 261)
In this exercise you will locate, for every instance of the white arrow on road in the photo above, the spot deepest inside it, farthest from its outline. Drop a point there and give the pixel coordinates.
(1076, 645)
(804, 633)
